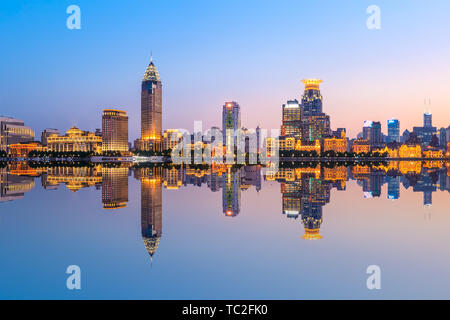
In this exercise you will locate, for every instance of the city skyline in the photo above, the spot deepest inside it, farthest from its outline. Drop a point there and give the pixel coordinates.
(389, 78)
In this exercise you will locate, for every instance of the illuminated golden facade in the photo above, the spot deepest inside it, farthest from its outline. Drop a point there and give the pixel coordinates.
(75, 178)
(430, 153)
(151, 110)
(75, 140)
(335, 144)
(173, 178)
(114, 131)
(13, 131)
(392, 153)
(171, 138)
(312, 84)
(114, 187)
(410, 151)
(21, 150)
(308, 147)
(361, 145)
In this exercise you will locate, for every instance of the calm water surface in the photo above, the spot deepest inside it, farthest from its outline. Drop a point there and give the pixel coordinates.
(225, 233)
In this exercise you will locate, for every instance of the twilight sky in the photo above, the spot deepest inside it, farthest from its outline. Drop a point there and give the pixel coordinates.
(207, 52)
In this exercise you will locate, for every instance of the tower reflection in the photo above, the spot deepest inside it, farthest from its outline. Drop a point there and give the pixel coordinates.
(151, 207)
(115, 187)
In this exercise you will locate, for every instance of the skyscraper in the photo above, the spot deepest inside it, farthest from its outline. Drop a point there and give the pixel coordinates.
(393, 131)
(231, 121)
(151, 110)
(427, 120)
(291, 117)
(114, 130)
(375, 134)
(311, 99)
(367, 129)
(426, 132)
(315, 123)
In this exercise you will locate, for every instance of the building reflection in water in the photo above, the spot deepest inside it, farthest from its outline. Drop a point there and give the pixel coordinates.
(151, 207)
(115, 187)
(74, 178)
(305, 190)
(15, 180)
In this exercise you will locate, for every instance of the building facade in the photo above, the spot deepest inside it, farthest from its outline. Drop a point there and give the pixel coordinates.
(315, 123)
(46, 133)
(425, 133)
(231, 122)
(114, 131)
(361, 145)
(393, 131)
(291, 119)
(151, 110)
(335, 144)
(13, 131)
(75, 140)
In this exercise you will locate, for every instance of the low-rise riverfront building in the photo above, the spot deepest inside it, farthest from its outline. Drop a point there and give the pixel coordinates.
(75, 140)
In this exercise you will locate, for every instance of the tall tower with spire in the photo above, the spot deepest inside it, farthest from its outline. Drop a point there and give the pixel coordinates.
(151, 110)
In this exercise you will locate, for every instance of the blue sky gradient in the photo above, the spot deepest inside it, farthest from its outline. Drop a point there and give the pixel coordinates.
(207, 52)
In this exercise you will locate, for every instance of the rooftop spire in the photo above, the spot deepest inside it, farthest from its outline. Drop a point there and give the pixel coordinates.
(151, 74)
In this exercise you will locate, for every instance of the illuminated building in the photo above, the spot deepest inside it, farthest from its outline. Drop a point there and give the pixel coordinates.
(231, 121)
(427, 120)
(114, 131)
(315, 123)
(315, 127)
(114, 187)
(315, 146)
(448, 150)
(13, 131)
(75, 140)
(151, 208)
(311, 99)
(410, 151)
(335, 144)
(425, 133)
(46, 133)
(393, 131)
(367, 130)
(391, 149)
(375, 134)
(21, 150)
(361, 145)
(151, 110)
(272, 147)
(171, 138)
(433, 153)
(291, 119)
(291, 144)
(286, 143)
